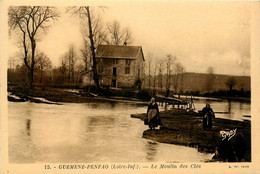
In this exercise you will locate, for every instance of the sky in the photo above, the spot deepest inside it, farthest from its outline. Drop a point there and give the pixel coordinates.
(199, 34)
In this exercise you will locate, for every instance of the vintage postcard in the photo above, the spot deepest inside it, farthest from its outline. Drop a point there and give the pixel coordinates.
(130, 87)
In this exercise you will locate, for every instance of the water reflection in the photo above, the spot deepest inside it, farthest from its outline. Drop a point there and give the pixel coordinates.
(229, 108)
(100, 121)
(240, 106)
(109, 105)
(151, 150)
(28, 126)
(226, 109)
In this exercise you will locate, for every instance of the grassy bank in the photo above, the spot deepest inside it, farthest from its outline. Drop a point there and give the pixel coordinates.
(67, 95)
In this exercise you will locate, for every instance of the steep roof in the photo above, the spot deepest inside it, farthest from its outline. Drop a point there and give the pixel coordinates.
(118, 51)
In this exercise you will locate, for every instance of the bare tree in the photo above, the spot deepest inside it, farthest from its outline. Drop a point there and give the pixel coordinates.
(42, 62)
(78, 73)
(72, 60)
(160, 74)
(231, 82)
(98, 38)
(179, 70)
(99, 33)
(149, 73)
(84, 13)
(210, 79)
(116, 35)
(68, 64)
(181, 79)
(30, 21)
(127, 39)
(169, 62)
(149, 69)
(154, 75)
(63, 69)
(85, 52)
(12, 63)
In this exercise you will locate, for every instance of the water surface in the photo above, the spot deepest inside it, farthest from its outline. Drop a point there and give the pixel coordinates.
(86, 132)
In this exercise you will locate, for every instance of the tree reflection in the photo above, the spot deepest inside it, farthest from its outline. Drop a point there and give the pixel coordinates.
(109, 105)
(28, 126)
(102, 122)
(240, 106)
(151, 150)
(229, 108)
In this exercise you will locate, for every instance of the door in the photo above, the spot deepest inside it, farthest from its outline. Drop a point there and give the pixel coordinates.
(114, 71)
(114, 83)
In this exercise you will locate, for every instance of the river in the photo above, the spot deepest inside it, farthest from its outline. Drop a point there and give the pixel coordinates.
(232, 110)
(93, 132)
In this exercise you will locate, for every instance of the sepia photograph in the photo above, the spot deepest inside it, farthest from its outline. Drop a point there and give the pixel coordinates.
(131, 86)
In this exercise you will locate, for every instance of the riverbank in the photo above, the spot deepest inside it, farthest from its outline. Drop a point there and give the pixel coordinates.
(60, 95)
(185, 128)
(216, 98)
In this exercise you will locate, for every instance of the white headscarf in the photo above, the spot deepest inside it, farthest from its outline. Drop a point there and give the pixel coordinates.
(153, 100)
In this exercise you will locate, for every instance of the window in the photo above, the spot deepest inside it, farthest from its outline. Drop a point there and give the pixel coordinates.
(127, 62)
(127, 70)
(100, 69)
(106, 61)
(115, 61)
(114, 71)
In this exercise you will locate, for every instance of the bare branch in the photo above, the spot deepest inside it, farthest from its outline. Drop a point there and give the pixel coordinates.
(28, 19)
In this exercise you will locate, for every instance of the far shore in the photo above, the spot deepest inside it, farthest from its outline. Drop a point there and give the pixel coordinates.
(82, 95)
(60, 95)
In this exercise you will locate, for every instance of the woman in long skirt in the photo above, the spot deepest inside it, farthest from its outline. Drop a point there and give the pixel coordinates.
(153, 114)
(208, 114)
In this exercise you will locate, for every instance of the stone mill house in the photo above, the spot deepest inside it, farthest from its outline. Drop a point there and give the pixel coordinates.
(120, 66)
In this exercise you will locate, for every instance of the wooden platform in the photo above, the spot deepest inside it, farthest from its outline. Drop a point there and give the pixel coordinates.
(176, 102)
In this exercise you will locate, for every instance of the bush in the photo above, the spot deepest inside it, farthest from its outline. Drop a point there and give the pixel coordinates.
(143, 94)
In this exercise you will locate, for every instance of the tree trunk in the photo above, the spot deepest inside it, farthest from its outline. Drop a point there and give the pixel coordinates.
(31, 86)
(92, 50)
(25, 59)
(69, 68)
(33, 44)
(41, 73)
(149, 76)
(176, 83)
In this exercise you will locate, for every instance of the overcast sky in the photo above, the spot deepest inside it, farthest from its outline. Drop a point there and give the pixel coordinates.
(199, 34)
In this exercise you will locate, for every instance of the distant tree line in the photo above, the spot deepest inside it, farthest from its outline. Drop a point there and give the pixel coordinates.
(168, 74)
(163, 74)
